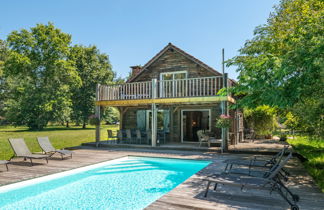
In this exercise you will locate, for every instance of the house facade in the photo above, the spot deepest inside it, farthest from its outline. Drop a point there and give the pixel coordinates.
(174, 93)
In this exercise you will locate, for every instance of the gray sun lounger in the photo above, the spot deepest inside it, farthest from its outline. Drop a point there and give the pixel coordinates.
(48, 148)
(255, 162)
(21, 150)
(4, 162)
(270, 183)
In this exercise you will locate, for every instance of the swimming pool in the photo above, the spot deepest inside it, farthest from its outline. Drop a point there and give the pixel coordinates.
(125, 183)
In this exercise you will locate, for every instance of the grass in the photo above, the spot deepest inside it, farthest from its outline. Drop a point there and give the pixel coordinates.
(60, 136)
(313, 151)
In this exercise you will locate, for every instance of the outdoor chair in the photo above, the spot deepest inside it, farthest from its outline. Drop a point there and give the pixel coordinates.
(270, 182)
(149, 137)
(120, 138)
(48, 148)
(4, 162)
(129, 138)
(139, 137)
(161, 137)
(21, 150)
(202, 138)
(111, 136)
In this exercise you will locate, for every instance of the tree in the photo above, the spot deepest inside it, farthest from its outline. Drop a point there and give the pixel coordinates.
(39, 75)
(261, 119)
(93, 68)
(3, 55)
(110, 115)
(283, 64)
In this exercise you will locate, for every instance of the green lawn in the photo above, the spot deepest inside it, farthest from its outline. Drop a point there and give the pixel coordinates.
(60, 137)
(313, 150)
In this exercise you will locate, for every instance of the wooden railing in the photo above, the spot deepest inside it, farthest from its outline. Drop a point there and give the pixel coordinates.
(190, 87)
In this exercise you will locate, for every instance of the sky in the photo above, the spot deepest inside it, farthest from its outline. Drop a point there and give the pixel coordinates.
(131, 32)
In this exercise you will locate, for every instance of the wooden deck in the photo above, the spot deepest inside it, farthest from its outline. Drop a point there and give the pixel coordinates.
(188, 195)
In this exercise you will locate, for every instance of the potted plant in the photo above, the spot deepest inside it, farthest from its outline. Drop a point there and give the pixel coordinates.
(224, 121)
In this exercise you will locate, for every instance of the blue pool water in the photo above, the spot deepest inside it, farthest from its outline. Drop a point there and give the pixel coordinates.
(125, 183)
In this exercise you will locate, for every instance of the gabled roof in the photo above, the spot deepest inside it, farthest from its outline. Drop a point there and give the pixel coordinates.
(171, 46)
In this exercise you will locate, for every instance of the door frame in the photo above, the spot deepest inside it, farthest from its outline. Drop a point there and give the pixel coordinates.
(181, 120)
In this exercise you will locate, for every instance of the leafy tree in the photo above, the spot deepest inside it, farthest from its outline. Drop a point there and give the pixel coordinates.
(39, 75)
(110, 115)
(3, 55)
(261, 119)
(93, 68)
(283, 64)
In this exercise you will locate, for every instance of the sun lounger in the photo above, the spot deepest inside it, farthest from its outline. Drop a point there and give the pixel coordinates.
(4, 162)
(257, 161)
(21, 150)
(48, 148)
(271, 182)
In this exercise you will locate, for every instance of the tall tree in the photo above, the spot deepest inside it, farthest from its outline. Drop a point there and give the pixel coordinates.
(93, 68)
(3, 55)
(283, 64)
(39, 75)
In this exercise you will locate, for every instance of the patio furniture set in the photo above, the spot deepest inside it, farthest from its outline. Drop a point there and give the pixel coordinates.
(136, 136)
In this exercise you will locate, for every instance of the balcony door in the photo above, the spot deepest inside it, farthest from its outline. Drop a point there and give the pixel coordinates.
(173, 84)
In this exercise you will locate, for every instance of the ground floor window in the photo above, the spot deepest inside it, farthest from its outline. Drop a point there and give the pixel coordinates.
(144, 120)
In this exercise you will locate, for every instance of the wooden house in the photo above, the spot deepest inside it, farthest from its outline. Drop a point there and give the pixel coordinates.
(175, 93)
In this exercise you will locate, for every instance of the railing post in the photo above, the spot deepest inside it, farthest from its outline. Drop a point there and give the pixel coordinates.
(154, 113)
(97, 114)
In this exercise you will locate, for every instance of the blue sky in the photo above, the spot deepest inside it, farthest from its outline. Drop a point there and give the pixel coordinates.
(132, 31)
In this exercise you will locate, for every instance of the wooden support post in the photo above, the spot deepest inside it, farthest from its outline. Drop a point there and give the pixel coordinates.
(121, 115)
(97, 114)
(154, 114)
(154, 125)
(224, 111)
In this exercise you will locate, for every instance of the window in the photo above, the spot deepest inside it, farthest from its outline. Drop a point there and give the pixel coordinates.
(173, 75)
(172, 84)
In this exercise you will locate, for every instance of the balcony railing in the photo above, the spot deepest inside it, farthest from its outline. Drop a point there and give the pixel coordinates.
(190, 87)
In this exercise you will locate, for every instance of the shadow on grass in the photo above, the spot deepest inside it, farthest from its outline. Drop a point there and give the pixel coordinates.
(47, 129)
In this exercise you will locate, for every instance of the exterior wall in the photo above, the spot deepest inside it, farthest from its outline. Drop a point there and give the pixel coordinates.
(172, 61)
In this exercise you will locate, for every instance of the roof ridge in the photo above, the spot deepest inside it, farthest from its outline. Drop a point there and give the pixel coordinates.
(169, 45)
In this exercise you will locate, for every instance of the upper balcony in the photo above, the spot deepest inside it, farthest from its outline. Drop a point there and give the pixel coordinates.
(190, 90)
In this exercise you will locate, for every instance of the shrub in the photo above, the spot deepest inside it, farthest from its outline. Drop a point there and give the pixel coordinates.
(262, 120)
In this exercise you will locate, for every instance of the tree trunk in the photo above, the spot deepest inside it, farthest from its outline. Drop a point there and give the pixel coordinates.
(67, 124)
(84, 125)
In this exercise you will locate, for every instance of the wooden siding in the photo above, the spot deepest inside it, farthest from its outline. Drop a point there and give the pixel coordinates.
(172, 61)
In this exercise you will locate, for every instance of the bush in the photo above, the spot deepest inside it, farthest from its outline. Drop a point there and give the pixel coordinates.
(262, 120)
